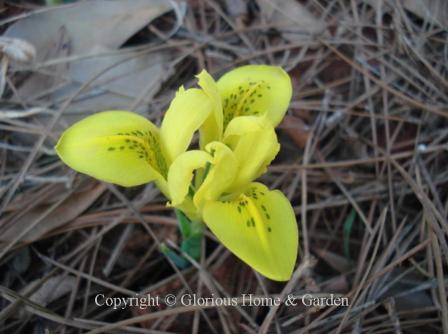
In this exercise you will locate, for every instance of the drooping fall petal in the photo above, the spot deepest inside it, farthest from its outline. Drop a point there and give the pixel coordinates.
(187, 112)
(120, 147)
(259, 227)
(255, 90)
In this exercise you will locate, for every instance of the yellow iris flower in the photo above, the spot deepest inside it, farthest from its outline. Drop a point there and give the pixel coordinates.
(235, 117)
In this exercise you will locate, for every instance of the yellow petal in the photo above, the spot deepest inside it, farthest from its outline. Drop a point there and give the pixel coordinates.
(255, 90)
(220, 176)
(254, 143)
(260, 228)
(181, 172)
(213, 126)
(114, 146)
(187, 112)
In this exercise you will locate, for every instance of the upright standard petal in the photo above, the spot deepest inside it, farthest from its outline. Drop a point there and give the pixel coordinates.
(212, 128)
(259, 227)
(187, 112)
(120, 147)
(255, 90)
(254, 143)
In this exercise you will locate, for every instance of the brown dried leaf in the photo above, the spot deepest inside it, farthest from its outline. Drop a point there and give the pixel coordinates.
(96, 29)
(435, 11)
(17, 49)
(296, 129)
(337, 284)
(69, 209)
(88, 24)
(291, 14)
(52, 289)
(334, 260)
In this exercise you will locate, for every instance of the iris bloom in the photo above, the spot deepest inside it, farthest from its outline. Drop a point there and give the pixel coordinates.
(213, 183)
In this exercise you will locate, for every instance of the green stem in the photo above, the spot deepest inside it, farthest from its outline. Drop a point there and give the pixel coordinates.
(192, 233)
(180, 261)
